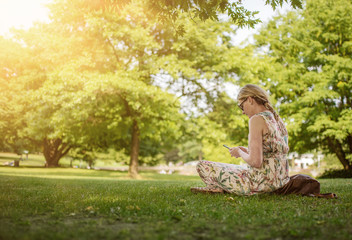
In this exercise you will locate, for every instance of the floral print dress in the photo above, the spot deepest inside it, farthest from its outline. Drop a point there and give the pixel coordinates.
(247, 180)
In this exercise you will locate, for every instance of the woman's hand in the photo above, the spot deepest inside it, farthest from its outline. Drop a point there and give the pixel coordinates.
(235, 152)
(244, 149)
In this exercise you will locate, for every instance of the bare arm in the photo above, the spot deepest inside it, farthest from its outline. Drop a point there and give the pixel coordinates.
(254, 156)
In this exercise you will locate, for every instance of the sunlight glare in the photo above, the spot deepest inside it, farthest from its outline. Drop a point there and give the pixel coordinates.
(22, 13)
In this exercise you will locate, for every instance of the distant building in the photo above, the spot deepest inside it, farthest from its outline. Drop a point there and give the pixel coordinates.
(303, 161)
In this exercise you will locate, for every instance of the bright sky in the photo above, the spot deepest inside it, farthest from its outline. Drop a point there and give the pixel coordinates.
(265, 14)
(22, 14)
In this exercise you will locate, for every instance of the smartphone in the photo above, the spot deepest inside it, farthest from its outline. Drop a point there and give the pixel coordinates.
(226, 146)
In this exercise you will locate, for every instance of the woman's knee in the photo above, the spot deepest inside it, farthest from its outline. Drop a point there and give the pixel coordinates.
(201, 164)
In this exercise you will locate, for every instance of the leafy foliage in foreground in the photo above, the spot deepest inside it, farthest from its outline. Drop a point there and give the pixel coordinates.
(96, 204)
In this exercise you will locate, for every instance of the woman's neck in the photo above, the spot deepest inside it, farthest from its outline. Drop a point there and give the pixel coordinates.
(260, 108)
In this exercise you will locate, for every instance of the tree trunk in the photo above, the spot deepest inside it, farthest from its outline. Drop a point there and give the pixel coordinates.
(336, 147)
(342, 157)
(133, 169)
(349, 142)
(200, 156)
(54, 150)
(17, 163)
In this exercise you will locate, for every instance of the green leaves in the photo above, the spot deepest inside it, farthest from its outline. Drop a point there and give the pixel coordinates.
(211, 10)
(312, 75)
(97, 73)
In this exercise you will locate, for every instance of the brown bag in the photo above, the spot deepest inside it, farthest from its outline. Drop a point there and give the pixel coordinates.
(305, 185)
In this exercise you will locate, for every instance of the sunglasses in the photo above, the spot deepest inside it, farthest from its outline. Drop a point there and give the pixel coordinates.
(241, 104)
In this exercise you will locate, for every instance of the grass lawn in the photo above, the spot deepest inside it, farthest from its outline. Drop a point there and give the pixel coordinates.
(38, 203)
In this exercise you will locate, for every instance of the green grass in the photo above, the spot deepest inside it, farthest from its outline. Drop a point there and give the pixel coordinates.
(88, 204)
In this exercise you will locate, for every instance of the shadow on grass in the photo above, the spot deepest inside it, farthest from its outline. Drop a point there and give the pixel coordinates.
(76, 173)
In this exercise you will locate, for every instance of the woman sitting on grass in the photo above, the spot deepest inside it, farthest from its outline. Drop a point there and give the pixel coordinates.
(266, 155)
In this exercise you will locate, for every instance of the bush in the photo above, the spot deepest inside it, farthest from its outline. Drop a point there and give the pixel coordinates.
(336, 173)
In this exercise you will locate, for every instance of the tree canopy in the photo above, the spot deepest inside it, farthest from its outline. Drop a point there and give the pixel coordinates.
(101, 76)
(148, 79)
(310, 58)
(170, 10)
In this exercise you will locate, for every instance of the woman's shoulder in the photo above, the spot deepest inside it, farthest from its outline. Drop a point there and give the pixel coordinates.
(257, 120)
(264, 119)
(269, 118)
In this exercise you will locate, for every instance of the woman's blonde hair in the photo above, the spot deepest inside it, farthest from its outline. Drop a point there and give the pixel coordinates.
(261, 97)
